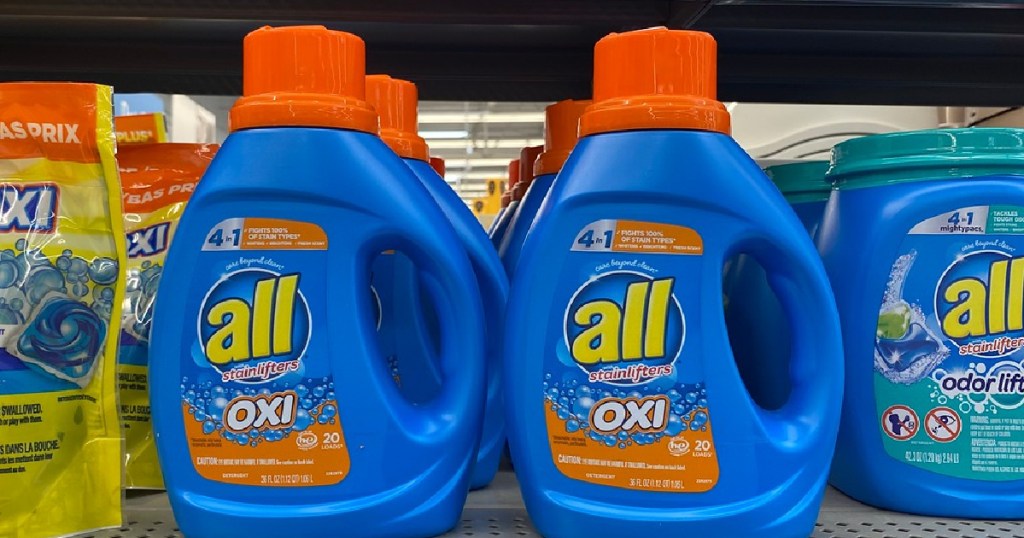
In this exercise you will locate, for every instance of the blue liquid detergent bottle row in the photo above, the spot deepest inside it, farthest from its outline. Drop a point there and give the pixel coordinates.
(626, 413)
(508, 207)
(758, 331)
(438, 165)
(415, 363)
(527, 156)
(923, 241)
(561, 130)
(276, 414)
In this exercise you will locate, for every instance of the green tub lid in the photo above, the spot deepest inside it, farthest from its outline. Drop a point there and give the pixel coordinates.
(931, 154)
(801, 177)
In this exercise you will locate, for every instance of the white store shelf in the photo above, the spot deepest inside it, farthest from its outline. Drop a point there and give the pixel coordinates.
(498, 511)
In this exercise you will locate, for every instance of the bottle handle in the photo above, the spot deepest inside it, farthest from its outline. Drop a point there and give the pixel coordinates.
(460, 315)
(797, 278)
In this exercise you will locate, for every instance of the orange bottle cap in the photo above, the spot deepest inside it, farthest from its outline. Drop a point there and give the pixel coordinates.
(506, 198)
(513, 175)
(527, 156)
(396, 101)
(561, 130)
(655, 79)
(437, 164)
(303, 76)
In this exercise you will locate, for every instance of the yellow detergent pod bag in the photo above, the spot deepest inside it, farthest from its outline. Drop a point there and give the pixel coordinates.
(61, 258)
(156, 181)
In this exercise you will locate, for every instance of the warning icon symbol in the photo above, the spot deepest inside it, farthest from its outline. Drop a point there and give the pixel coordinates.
(942, 424)
(900, 422)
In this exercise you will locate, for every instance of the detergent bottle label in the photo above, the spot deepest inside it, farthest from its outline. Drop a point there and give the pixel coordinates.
(949, 348)
(624, 395)
(258, 398)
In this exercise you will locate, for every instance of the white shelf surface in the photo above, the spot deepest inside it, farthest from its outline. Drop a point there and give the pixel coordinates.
(498, 511)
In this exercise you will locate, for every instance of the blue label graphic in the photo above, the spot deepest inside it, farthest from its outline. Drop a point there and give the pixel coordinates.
(28, 208)
(625, 328)
(149, 241)
(949, 364)
(254, 325)
(54, 315)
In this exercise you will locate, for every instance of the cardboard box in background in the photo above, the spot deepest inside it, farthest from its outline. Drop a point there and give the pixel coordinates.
(486, 207)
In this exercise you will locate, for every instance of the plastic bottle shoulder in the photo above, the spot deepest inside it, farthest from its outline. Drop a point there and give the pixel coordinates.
(700, 169)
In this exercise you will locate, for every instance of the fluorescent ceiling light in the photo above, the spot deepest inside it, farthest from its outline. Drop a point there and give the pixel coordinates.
(444, 135)
(475, 163)
(492, 143)
(472, 193)
(474, 188)
(454, 177)
(481, 117)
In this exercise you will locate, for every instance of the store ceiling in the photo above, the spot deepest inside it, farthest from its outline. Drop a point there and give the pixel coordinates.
(920, 52)
(476, 139)
(474, 53)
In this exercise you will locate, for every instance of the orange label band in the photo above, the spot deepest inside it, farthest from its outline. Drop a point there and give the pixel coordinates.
(159, 175)
(298, 458)
(265, 234)
(683, 463)
(639, 238)
(283, 235)
(55, 121)
(654, 238)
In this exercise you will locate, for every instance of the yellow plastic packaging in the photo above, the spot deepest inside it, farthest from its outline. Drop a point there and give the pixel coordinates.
(156, 180)
(140, 129)
(61, 254)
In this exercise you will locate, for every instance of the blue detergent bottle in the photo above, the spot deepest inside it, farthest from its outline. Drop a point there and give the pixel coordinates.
(275, 414)
(625, 410)
(753, 314)
(527, 156)
(506, 198)
(396, 101)
(407, 323)
(561, 130)
(504, 217)
(923, 241)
